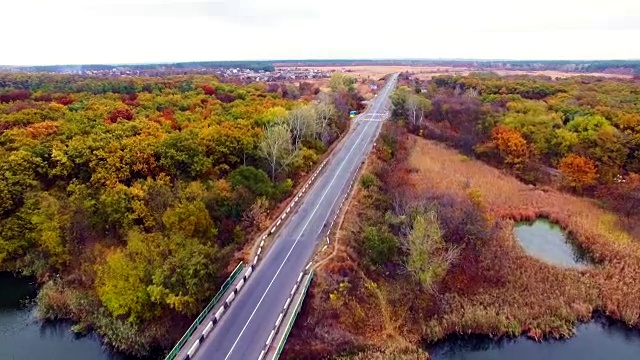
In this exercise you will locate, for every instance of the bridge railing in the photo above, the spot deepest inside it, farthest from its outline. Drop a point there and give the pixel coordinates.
(293, 317)
(176, 349)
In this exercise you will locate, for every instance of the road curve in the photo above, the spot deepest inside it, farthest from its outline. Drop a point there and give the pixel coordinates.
(245, 327)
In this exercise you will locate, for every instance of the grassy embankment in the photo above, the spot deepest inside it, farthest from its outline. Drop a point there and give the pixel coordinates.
(492, 287)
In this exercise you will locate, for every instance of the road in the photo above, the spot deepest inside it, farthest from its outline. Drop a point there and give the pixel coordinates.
(244, 329)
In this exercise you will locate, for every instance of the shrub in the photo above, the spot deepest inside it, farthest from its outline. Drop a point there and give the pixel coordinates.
(380, 246)
(368, 180)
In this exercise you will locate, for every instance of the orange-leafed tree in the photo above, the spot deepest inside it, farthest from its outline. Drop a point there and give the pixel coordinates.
(511, 145)
(578, 171)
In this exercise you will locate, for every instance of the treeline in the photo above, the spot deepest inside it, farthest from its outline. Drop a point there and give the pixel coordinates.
(587, 129)
(130, 203)
(611, 66)
(253, 65)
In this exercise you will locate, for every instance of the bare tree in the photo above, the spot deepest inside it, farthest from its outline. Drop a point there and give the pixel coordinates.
(325, 111)
(416, 106)
(302, 124)
(412, 104)
(276, 147)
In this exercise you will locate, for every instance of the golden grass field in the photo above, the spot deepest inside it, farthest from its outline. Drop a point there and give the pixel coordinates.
(427, 72)
(497, 289)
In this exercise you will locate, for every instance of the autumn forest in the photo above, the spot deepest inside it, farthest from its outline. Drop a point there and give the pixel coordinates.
(128, 198)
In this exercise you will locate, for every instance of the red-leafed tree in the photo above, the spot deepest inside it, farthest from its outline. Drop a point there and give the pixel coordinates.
(208, 89)
(226, 97)
(124, 114)
(15, 95)
(44, 97)
(130, 99)
(65, 100)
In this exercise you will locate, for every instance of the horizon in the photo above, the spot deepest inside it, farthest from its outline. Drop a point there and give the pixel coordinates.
(275, 61)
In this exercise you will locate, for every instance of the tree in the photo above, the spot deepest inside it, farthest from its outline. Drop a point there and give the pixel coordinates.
(416, 106)
(182, 156)
(399, 100)
(155, 270)
(325, 111)
(302, 122)
(428, 257)
(276, 148)
(17, 176)
(48, 223)
(536, 123)
(121, 286)
(511, 145)
(579, 172)
(340, 82)
(380, 245)
(623, 194)
(191, 220)
(254, 180)
(124, 114)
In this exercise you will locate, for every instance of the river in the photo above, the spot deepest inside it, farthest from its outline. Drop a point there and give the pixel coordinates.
(599, 339)
(24, 337)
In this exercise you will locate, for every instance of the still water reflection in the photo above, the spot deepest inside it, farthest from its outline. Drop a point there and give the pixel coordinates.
(548, 242)
(600, 339)
(24, 337)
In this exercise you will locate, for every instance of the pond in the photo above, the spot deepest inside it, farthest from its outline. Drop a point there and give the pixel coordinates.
(24, 337)
(599, 339)
(548, 242)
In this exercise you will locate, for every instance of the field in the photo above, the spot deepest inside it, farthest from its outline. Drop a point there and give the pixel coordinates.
(427, 72)
(493, 288)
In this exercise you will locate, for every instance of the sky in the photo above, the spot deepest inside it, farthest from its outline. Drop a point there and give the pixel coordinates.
(41, 32)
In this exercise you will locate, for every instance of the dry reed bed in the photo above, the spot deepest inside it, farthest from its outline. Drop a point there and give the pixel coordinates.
(530, 295)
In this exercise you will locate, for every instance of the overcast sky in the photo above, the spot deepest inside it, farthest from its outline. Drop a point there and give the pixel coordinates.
(137, 31)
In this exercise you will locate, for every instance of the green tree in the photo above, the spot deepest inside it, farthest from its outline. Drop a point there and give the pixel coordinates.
(181, 155)
(49, 223)
(190, 219)
(121, 285)
(252, 179)
(428, 257)
(341, 82)
(380, 245)
(536, 123)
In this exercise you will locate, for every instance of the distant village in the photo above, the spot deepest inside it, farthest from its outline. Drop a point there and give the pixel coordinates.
(236, 74)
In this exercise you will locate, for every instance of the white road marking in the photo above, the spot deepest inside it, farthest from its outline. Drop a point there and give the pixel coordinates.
(300, 234)
(297, 239)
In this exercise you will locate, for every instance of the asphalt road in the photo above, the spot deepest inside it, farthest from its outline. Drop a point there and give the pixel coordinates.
(245, 327)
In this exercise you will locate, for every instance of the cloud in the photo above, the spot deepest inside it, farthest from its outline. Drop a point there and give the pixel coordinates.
(247, 12)
(119, 31)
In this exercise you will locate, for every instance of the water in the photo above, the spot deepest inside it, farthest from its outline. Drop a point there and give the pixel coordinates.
(24, 337)
(548, 242)
(597, 340)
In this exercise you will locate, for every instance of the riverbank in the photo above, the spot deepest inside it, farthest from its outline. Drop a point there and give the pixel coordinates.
(24, 336)
(601, 338)
(492, 287)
